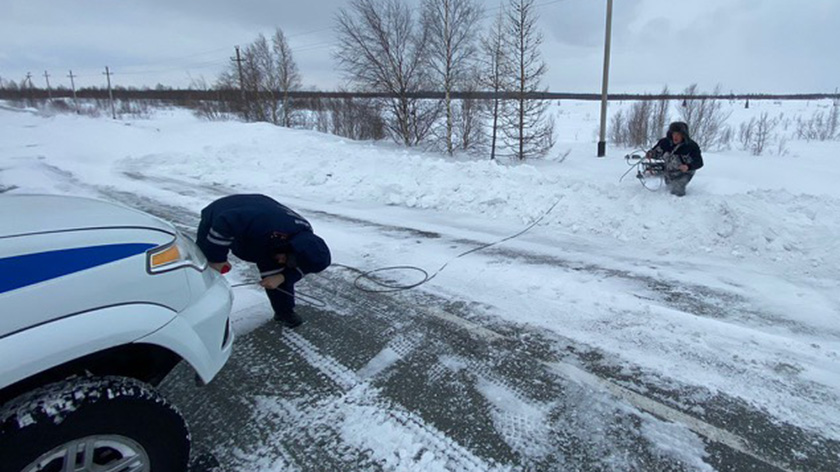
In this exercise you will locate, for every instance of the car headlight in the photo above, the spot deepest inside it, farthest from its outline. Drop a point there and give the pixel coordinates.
(181, 252)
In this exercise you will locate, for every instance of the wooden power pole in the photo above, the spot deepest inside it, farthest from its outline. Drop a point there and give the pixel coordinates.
(602, 143)
(49, 89)
(28, 82)
(238, 60)
(107, 73)
(73, 87)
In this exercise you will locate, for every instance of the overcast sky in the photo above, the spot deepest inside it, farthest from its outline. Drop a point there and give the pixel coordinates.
(743, 45)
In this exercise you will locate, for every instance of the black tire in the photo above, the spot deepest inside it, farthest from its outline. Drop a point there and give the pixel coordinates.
(46, 418)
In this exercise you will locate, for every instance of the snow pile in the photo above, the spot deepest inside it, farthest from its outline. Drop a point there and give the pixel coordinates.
(733, 211)
(748, 264)
(783, 210)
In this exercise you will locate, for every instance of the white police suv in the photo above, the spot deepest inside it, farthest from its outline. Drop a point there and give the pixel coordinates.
(97, 303)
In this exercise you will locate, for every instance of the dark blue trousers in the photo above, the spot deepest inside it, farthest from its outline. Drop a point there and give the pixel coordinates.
(283, 300)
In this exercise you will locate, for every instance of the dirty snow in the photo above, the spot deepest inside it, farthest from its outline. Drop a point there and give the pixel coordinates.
(752, 250)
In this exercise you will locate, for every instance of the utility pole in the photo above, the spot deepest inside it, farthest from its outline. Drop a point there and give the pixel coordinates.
(602, 143)
(49, 89)
(29, 87)
(73, 87)
(107, 73)
(238, 60)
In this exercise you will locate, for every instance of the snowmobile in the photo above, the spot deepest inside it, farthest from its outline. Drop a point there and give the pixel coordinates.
(650, 171)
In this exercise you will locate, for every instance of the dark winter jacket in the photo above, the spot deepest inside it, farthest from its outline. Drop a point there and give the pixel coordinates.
(255, 228)
(687, 152)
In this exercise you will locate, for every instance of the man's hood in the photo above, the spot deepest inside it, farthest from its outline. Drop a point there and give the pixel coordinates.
(679, 127)
(311, 252)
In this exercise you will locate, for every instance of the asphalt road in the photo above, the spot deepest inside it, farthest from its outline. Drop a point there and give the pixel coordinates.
(412, 381)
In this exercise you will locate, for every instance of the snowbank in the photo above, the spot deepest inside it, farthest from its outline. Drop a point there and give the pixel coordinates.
(759, 228)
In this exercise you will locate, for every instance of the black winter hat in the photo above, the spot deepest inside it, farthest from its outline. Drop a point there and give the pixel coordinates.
(311, 252)
(679, 127)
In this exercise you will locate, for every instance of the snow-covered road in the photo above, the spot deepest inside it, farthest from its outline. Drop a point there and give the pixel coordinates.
(598, 341)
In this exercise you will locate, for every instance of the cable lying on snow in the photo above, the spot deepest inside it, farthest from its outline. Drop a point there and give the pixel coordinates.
(646, 169)
(383, 286)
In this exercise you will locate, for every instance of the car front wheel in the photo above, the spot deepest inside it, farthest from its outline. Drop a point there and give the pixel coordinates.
(111, 424)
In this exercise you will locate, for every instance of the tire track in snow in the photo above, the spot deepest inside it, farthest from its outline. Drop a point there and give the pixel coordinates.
(735, 442)
(434, 441)
(569, 371)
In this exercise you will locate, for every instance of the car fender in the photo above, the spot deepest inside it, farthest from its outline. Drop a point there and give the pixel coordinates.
(42, 347)
(202, 335)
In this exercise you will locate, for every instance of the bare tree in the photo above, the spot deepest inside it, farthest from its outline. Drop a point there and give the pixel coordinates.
(819, 126)
(269, 73)
(228, 79)
(659, 117)
(618, 129)
(381, 49)
(643, 124)
(706, 118)
(213, 110)
(636, 127)
(287, 74)
(257, 76)
(528, 127)
(468, 119)
(493, 75)
(11, 85)
(834, 122)
(638, 123)
(758, 133)
(354, 118)
(451, 26)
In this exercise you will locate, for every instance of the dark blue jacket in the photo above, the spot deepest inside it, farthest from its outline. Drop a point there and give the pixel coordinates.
(254, 228)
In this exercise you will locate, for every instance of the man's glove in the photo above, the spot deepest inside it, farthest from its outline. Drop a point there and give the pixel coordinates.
(220, 267)
(273, 281)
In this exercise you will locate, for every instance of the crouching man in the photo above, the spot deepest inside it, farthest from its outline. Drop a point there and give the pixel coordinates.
(681, 155)
(258, 229)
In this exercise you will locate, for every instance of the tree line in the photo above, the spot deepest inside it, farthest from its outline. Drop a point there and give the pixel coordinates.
(397, 53)
(449, 75)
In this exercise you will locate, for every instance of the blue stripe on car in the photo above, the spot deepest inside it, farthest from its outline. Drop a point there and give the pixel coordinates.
(29, 269)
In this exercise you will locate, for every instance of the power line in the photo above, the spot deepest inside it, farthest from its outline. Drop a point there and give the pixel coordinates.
(198, 65)
(306, 33)
(162, 62)
(315, 46)
(487, 14)
(171, 60)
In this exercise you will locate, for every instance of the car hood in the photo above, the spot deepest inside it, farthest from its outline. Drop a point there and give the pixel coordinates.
(32, 214)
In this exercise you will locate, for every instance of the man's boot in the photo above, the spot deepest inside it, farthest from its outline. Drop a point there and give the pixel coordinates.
(288, 319)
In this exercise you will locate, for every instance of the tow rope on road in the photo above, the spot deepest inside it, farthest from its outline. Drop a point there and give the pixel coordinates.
(384, 286)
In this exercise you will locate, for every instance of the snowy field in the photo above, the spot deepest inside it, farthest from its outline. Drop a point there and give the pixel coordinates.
(734, 289)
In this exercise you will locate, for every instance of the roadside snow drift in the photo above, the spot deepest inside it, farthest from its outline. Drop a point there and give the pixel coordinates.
(753, 249)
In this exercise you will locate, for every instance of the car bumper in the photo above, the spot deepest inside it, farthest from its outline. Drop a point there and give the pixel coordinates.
(201, 333)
